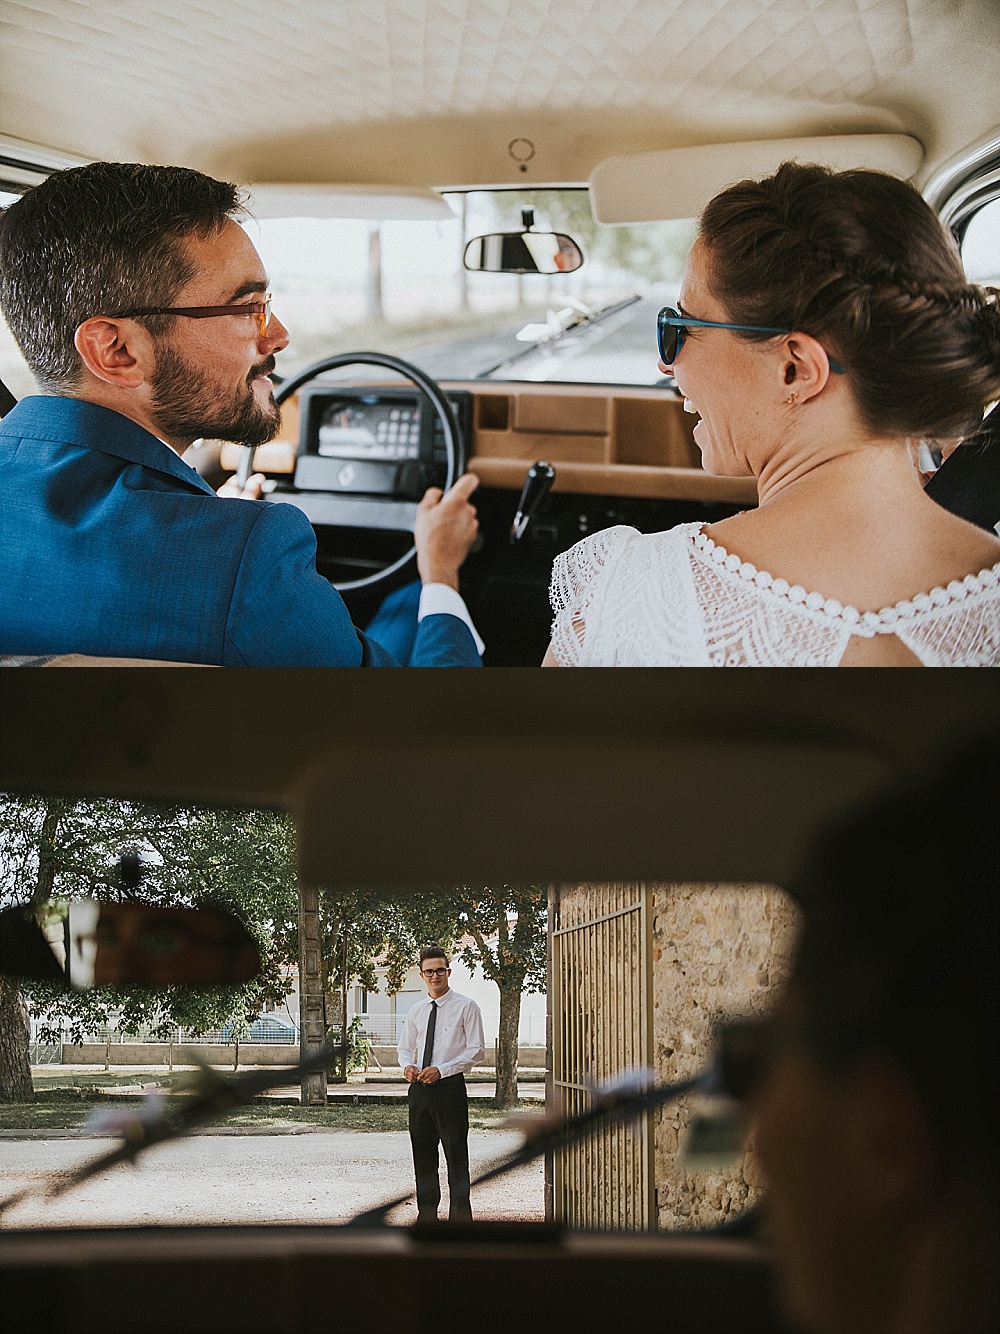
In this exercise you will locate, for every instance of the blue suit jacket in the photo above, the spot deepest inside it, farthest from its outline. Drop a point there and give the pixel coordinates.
(112, 546)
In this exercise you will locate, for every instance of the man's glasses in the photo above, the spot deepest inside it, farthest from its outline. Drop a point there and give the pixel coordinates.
(672, 327)
(261, 309)
(434, 972)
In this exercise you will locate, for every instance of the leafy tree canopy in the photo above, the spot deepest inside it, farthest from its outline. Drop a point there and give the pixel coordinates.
(388, 930)
(56, 849)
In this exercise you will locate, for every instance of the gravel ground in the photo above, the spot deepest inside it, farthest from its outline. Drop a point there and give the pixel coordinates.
(324, 1176)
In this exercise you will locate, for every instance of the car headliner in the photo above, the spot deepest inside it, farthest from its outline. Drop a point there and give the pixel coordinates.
(432, 92)
(435, 777)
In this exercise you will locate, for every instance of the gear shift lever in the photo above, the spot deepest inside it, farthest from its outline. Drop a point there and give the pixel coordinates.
(540, 477)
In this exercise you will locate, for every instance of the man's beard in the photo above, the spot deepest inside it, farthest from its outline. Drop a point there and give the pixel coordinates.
(188, 406)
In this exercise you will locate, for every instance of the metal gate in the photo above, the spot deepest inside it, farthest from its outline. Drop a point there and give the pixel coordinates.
(601, 1012)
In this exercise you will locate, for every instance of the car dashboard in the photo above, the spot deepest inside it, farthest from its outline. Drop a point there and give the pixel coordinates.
(356, 457)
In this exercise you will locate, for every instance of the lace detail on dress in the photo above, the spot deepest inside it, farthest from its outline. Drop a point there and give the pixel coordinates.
(956, 626)
(639, 609)
(678, 599)
(965, 636)
(576, 582)
(742, 629)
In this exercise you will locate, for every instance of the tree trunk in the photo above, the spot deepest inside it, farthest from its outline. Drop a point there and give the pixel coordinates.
(507, 1043)
(55, 808)
(15, 1032)
(463, 276)
(373, 288)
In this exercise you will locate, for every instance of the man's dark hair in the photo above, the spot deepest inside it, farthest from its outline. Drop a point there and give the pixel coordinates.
(95, 240)
(433, 952)
(899, 952)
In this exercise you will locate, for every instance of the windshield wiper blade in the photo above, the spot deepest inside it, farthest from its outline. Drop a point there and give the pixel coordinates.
(587, 322)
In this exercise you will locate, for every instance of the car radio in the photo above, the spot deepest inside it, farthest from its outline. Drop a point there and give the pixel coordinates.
(362, 440)
(367, 453)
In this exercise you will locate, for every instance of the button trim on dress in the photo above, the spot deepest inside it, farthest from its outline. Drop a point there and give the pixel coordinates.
(866, 624)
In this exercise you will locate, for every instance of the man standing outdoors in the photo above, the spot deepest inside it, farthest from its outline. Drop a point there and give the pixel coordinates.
(442, 1039)
(141, 306)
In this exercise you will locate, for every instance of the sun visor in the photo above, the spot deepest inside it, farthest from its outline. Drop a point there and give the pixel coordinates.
(679, 182)
(404, 203)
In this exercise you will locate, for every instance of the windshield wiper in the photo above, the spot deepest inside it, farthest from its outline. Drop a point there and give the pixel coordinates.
(586, 321)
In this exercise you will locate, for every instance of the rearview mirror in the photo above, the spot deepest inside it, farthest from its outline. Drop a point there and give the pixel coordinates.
(523, 252)
(129, 944)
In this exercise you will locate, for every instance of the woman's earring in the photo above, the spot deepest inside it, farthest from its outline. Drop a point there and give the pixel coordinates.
(790, 400)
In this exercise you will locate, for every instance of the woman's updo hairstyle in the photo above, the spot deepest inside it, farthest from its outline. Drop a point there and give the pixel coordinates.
(859, 260)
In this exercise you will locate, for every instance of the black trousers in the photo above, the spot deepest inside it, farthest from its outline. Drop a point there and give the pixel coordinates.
(439, 1115)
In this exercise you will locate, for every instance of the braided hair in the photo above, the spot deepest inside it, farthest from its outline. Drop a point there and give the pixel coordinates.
(860, 261)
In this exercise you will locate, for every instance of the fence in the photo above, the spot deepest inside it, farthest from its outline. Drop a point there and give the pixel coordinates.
(263, 1032)
(45, 1053)
(602, 1025)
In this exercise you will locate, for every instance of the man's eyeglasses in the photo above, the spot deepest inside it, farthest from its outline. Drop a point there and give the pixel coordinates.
(261, 309)
(672, 327)
(434, 972)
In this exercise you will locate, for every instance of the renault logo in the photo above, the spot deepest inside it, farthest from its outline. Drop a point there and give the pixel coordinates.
(346, 475)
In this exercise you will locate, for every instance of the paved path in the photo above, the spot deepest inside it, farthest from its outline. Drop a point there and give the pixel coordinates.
(320, 1177)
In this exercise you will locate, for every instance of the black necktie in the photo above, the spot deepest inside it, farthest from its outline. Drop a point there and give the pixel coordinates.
(429, 1039)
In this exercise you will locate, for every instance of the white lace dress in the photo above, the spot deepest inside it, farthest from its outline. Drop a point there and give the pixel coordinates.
(676, 599)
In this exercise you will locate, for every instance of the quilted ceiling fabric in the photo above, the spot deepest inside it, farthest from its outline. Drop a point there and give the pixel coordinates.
(434, 91)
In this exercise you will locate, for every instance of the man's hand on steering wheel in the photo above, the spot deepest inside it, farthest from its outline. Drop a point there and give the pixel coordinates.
(445, 530)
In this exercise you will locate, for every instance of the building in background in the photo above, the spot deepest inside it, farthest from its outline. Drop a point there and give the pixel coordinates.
(382, 1015)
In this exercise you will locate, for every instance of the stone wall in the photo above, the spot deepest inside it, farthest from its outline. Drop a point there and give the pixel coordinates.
(717, 951)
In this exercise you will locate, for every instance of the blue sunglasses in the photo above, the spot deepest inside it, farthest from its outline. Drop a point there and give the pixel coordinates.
(672, 327)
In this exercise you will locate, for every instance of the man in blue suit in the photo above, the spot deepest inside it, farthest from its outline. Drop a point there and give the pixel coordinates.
(141, 306)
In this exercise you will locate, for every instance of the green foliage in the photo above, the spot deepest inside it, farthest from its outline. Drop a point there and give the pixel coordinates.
(382, 930)
(57, 849)
(388, 930)
(359, 1045)
(516, 915)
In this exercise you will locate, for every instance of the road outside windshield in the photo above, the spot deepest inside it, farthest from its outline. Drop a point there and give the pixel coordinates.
(400, 287)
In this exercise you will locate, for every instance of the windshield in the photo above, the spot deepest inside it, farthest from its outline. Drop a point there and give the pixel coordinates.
(400, 287)
(606, 989)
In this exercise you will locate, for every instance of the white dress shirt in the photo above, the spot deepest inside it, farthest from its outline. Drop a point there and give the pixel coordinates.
(458, 1034)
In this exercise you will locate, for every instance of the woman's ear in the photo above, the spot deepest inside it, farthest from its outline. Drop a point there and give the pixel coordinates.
(805, 365)
(118, 352)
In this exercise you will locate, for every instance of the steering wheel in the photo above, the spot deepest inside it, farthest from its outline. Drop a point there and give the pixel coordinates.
(453, 442)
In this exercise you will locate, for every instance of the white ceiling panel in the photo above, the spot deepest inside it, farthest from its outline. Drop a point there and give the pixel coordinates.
(431, 92)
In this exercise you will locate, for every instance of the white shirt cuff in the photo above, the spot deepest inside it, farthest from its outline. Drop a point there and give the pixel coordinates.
(441, 599)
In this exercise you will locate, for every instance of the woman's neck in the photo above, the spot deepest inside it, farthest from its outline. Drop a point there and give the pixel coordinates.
(827, 455)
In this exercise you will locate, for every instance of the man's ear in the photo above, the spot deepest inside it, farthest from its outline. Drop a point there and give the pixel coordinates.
(119, 352)
(805, 367)
(888, 1134)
